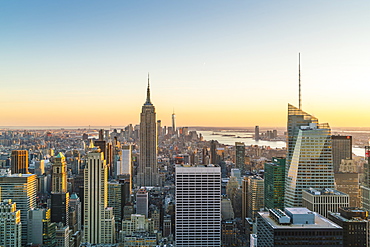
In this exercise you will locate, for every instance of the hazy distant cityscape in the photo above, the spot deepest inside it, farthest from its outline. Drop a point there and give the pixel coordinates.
(154, 185)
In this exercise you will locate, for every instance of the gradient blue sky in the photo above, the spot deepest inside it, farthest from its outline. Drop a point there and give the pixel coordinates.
(217, 63)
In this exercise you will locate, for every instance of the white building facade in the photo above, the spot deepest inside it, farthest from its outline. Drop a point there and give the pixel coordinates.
(198, 206)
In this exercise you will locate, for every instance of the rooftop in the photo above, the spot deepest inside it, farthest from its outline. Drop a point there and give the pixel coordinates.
(324, 191)
(320, 221)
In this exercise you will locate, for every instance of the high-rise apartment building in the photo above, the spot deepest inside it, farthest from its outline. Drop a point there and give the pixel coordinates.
(257, 133)
(59, 194)
(274, 179)
(98, 218)
(19, 161)
(324, 200)
(148, 167)
(341, 149)
(198, 206)
(10, 224)
(21, 189)
(309, 156)
(239, 155)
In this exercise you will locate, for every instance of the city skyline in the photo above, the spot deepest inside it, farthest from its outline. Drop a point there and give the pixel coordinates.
(216, 63)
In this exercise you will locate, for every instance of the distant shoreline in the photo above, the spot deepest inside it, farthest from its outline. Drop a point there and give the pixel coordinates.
(200, 128)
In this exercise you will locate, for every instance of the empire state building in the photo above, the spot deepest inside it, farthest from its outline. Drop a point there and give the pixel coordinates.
(148, 166)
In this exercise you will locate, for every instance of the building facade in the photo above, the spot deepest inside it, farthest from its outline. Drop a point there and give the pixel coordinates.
(309, 156)
(198, 206)
(255, 196)
(324, 200)
(274, 179)
(240, 155)
(59, 194)
(342, 150)
(10, 224)
(355, 225)
(19, 161)
(21, 189)
(296, 227)
(99, 224)
(148, 167)
(347, 181)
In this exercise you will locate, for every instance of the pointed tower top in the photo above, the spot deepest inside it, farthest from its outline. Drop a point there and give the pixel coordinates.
(60, 155)
(147, 102)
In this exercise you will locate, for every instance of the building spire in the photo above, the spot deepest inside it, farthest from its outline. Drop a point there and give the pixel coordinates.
(299, 80)
(148, 94)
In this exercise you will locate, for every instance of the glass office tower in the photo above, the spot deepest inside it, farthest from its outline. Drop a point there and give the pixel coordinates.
(309, 157)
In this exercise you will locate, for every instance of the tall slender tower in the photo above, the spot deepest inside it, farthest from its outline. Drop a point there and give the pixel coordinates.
(98, 218)
(148, 167)
(240, 155)
(59, 194)
(174, 123)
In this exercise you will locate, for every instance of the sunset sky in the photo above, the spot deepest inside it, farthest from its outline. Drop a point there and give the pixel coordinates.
(216, 63)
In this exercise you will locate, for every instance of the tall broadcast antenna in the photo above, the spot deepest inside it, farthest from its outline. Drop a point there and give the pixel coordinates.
(299, 80)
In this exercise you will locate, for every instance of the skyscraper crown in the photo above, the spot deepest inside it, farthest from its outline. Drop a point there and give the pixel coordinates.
(147, 102)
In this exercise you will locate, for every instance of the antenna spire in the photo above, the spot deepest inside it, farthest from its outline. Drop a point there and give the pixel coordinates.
(148, 94)
(299, 80)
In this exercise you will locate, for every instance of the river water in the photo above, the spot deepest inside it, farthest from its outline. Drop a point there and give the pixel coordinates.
(230, 137)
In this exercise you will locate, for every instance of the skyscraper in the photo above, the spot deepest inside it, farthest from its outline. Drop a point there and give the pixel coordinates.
(309, 156)
(347, 181)
(21, 189)
(10, 224)
(41, 231)
(174, 123)
(214, 159)
(274, 177)
(148, 167)
(198, 206)
(98, 218)
(19, 161)
(59, 194)
(365, 188)
(142, 202)
(254, 196)
(342, 150)
(257, 133)
(239, 155)
(159, 129)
